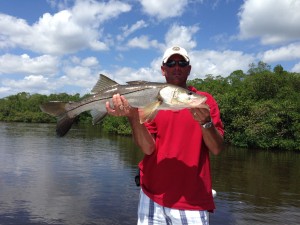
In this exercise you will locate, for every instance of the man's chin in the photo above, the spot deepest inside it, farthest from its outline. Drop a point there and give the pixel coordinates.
(177, 82)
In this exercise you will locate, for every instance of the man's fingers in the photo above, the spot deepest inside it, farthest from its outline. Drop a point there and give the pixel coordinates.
(201, 113)
(125, 103)
(201, 106)
(117, 102)
(119, 107)
(204, 106)
(109, 109)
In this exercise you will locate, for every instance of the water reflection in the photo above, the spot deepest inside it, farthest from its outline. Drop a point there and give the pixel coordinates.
(257, 187)
(87, 178)
(70, 180)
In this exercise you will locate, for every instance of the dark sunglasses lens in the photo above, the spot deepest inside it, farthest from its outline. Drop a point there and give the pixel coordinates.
(183, 63)
(171, 63)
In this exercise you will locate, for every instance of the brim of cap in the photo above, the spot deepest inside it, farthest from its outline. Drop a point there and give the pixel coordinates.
(184, 56)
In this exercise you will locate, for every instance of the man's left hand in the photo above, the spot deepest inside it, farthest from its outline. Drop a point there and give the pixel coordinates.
(201, 113)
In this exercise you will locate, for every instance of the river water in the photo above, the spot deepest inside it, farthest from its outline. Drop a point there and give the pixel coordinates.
(87, 178)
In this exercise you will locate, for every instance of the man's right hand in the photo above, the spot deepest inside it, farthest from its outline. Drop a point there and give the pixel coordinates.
(120, 107)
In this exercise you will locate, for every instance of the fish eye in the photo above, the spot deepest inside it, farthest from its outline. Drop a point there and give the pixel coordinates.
(190, 93)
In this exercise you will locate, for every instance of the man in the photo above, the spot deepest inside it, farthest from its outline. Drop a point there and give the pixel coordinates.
(175, 171)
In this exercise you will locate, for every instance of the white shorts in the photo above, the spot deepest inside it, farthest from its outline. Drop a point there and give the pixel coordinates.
(152, 213)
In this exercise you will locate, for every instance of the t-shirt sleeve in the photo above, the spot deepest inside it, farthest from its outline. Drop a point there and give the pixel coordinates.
(151, 126)
(214, 112)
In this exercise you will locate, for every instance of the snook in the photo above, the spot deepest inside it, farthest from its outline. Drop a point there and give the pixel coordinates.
(149, 97)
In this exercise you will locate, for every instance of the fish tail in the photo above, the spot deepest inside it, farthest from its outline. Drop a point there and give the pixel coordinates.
(54, 108)
(59, 109)
(64, 124)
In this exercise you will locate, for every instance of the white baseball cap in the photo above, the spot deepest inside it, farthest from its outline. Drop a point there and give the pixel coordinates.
(175, 50)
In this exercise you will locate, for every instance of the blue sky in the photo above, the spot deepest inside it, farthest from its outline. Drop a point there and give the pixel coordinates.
(54, 46)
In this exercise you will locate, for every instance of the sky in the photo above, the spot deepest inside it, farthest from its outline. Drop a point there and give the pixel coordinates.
(61, 46)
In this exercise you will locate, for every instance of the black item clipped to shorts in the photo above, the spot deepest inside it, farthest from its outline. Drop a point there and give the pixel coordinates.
(137, 178)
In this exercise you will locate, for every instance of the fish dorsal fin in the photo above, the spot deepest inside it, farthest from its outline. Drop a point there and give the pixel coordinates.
(137, 82)
(103, 83)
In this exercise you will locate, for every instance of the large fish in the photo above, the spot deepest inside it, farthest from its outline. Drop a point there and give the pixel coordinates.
(149, 97)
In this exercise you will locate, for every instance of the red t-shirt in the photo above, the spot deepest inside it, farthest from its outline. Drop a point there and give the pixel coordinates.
(177, 175)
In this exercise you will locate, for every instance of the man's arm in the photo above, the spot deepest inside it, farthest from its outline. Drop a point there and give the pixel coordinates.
(141, 135)
(213, 139)
(211, 136)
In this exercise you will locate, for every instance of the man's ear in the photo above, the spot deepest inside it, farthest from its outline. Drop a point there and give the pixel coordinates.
(190, 68)
(163, 71)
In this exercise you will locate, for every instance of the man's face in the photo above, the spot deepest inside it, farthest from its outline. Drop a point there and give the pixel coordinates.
(176, 74)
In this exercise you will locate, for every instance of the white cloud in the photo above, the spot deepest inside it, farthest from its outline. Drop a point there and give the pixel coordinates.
(79, 73)
(67, 31)
(90, 62)
(30, 83)
(75, 72)
(24, 64)
(218, 63)
(124, 74)
(93, 13)
(4, 90)
(140, 42)
(296, 68)
(272, 21)
(285, 53)
(129, 30)
(164, 9)
(12, 30)
(143, 42)
(82, 73)
(182, 36)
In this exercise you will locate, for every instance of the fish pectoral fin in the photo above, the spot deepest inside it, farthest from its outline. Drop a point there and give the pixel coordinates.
(149, 111)
(97, 115)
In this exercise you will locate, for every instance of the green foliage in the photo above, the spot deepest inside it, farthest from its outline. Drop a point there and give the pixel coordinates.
(116, 125)
(260, 109)
(24, 107)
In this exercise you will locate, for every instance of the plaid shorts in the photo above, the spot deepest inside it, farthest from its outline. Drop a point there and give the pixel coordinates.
(151, 213)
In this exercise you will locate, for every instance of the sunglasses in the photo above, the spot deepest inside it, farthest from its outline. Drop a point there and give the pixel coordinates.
(180, 63)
